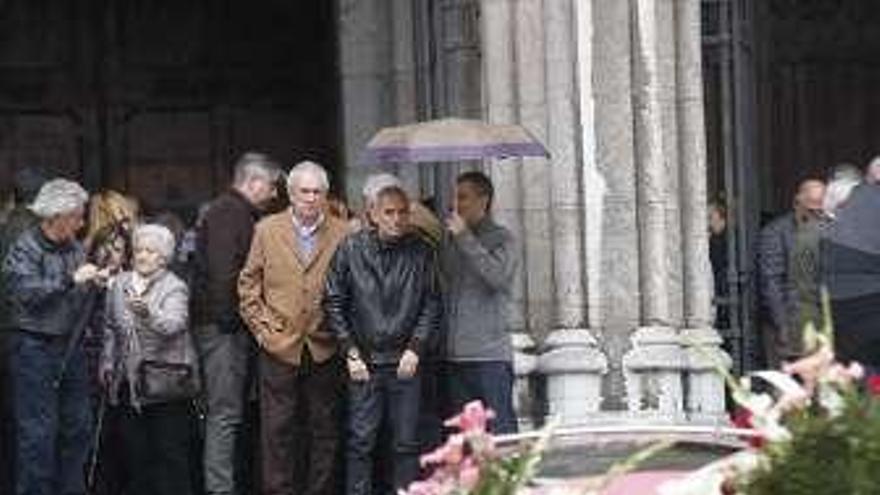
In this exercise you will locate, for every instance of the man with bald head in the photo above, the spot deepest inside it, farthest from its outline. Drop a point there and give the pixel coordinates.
(789, 271)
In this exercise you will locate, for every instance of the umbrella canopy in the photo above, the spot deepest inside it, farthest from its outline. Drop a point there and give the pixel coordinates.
(450, 140)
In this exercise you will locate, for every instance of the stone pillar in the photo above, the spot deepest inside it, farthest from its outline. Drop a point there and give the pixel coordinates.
(365, 36)
(499, 99)
(573, 364)
(573, 367)
(524, 365)
(653, 366)
(535, 172)
(403, 74)
(706, 388)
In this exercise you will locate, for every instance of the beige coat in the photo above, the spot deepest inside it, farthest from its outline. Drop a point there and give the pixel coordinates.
(280, 288)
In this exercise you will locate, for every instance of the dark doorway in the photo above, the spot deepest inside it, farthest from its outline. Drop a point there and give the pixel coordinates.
(155, 97)
(792, 88)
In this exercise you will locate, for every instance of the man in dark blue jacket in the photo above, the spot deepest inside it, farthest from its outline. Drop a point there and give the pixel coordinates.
(46, 277)
(382, 304)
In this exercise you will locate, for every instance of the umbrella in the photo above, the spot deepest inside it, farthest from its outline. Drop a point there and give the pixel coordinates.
(450, 140)
(852, 270)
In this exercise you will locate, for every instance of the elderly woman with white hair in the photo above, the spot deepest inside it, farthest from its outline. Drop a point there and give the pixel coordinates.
(149, 366)
(46, 278)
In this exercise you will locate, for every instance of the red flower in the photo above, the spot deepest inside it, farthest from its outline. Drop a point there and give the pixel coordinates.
(874, 384)
(742, 418)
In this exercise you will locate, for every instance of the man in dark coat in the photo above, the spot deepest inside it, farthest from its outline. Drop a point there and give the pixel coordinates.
(852, 269)
(788, 267)
(46, 277)
(227, 350)
(27, 183)
(382, 304)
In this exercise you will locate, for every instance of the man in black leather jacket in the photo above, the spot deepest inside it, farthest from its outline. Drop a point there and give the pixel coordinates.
(382, 304)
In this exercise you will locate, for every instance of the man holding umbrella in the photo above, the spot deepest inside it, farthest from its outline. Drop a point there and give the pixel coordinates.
(479, 267)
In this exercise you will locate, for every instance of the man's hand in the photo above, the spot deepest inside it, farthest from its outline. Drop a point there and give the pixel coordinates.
(409, 363)
(138, 306)
(86, 273)
(105, 377)
(357, 368)
(455, 224)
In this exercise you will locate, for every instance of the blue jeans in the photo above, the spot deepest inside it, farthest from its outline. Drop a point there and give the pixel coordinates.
(488, 381)
(53, 424)
(384, 397)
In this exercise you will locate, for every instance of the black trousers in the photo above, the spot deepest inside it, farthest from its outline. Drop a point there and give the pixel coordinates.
(300, 409)
(157, 447)
(384, 397)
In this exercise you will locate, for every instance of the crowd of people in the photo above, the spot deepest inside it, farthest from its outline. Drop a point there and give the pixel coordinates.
(827, 248)
(302, 350)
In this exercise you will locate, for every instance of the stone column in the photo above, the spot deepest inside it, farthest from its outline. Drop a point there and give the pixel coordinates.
(653, 366)
(573, 364)
(403, 74)
(499, 99)
(535, 172)
(365, 60)
(706, 388)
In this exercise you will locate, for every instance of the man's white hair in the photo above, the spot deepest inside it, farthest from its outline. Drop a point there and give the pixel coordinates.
(155, 236)
(377, 183)
(844, 179)
(58, 197)
(307, 168)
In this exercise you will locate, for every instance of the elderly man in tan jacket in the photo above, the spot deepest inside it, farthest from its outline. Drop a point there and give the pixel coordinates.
(280, 289)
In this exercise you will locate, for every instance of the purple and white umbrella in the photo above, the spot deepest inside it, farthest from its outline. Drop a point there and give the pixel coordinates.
(451, 139)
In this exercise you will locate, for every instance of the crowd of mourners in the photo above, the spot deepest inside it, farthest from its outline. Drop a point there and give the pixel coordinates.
(266, 350)
(826, 249)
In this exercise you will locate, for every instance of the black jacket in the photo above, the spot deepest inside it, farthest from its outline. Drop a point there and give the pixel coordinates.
(39, 278)
(382, 297)
(223, 240)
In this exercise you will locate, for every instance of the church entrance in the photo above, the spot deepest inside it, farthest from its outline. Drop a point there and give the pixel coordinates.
(792, 88)
(156, 97)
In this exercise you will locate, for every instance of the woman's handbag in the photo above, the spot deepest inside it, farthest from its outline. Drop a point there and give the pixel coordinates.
(157, 380)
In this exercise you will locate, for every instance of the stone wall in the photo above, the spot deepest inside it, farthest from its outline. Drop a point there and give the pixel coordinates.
(613, 225)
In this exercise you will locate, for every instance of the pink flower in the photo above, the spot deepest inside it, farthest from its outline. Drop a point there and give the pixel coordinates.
(473, 418)
(427, 487)
(855, 371)
(469, 476)
(450, 453)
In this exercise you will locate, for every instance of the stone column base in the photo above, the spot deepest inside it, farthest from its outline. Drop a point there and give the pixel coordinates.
(653, 372)
(705, 402)
(524, 365)
(573, 366)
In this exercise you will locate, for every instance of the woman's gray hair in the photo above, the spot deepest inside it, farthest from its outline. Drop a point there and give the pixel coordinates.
(58, 197)
(308, 168)
(377, 183)
(157, 237)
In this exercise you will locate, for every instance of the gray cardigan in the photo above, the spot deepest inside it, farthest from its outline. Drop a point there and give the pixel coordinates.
(163, 335)
(479, 269)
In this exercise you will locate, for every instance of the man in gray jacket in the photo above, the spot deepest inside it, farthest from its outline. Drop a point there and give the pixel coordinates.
(479, 266)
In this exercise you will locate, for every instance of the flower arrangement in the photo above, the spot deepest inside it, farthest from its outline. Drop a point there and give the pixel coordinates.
(469, 463)
(818, 434)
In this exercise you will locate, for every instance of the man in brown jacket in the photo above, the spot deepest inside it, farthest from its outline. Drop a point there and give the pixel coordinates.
(280, 288)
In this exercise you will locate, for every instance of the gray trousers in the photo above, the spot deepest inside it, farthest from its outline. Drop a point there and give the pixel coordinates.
(228, 364)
